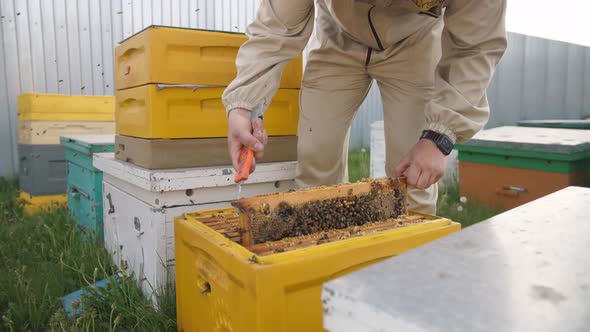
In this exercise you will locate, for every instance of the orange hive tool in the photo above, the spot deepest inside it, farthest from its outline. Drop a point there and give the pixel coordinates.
(246, 158)
(244, 165)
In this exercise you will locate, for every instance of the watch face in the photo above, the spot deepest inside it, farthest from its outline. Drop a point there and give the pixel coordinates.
(446, 145)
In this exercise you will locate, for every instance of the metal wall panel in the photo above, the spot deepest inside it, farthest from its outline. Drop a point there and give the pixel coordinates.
(6, 138)
(11, 83)
(67, 46)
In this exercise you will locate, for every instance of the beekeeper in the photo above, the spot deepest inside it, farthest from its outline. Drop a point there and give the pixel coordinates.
(431, 59)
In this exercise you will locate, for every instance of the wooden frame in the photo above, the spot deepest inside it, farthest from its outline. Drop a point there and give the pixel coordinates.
(269, 204)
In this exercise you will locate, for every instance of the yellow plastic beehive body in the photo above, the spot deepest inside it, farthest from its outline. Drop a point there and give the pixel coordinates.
(222, 286)
(41, 203)
(186, 56)
(49, 132)
(54, 107)
(174, 112)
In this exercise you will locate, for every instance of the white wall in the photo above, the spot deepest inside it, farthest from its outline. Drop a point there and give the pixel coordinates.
(67, 46)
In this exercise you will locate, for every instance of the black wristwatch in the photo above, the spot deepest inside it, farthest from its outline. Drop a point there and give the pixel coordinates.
(443, 142)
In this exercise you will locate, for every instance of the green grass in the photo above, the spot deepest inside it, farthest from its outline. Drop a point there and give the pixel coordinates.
(358, 165)
(448, 204)
(467, 213)
(45, 256)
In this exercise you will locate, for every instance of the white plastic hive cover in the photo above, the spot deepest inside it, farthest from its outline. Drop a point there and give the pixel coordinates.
(555, 140)
(188, 178)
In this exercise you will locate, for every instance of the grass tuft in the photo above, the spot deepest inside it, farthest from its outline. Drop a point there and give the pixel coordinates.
(359, 163)
(449, 205)
(45, 256)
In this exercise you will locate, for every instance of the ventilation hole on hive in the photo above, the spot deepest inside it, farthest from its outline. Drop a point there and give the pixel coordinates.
(206, 288)
(189, 192)
(277, 184)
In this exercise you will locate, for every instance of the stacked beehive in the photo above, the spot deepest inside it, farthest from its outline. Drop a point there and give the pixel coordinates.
(43, 118)
(171, 144)
(169, 84)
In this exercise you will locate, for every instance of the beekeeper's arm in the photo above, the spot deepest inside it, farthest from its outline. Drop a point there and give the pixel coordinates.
(473, 42)
(278, 34)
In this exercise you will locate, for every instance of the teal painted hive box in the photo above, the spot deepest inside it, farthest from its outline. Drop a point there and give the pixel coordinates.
(564, 124)
(84, 182)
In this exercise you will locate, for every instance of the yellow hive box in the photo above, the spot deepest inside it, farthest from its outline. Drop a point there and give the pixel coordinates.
(222, 286)
(35, 204)
(179, 112)
(54, 107)
(49, 132)
(186, 56)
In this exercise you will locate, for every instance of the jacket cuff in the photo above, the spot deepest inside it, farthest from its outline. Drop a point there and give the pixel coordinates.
(441, 129)
(238, 104)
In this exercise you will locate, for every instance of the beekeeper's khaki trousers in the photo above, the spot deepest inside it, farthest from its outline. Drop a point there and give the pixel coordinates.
(337, 78)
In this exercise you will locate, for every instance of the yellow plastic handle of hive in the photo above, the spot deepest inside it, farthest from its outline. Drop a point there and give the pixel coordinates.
(129, 52)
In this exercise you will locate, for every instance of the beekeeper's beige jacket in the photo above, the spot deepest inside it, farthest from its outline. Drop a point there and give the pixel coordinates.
(397, 43)
(474, 39)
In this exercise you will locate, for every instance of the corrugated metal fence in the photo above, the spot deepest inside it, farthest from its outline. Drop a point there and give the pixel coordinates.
(66, 46)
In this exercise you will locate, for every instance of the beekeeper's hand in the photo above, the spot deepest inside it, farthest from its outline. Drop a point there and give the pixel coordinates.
(423, 165)
(242, 132)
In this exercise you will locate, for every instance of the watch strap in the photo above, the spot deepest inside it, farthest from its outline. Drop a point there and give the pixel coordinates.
(442, 141)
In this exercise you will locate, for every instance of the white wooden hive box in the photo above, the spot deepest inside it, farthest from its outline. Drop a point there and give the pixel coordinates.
(139, 207)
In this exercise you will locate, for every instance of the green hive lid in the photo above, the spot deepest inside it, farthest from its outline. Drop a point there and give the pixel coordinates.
(564, 144)
(567, 124)
(89, 143)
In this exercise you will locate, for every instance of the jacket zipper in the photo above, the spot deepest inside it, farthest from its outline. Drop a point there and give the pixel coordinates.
(369, 51)
(374, 31)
